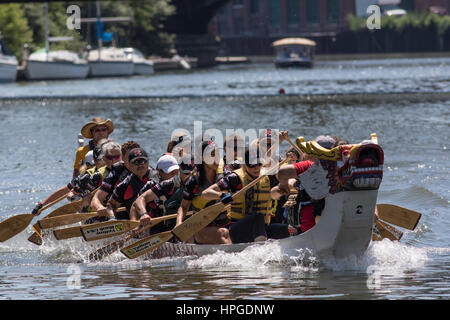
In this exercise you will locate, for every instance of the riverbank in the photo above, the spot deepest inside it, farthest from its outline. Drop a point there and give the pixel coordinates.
(362, 56)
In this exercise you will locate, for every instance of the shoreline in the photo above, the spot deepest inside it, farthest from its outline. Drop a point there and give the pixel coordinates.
(362, 56)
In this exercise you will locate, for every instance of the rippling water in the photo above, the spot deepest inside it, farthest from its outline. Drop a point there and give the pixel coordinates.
(406, 102)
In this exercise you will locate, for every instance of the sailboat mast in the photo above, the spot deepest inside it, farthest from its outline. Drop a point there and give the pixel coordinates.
(99, 36)
(46, 30)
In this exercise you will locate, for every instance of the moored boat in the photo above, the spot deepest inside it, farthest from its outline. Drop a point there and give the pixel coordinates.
(8, 63)
(348, 178)
(294, 52)
(142, 66)
(59, 64)
(109, 61)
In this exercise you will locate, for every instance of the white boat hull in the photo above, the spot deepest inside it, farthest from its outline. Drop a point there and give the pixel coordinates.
(110, 68)
(345, 229)
(43, 70)
(143, 68)
(8, 71)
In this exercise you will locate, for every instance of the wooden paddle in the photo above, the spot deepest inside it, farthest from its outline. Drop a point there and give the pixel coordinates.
(191, 226)
(116, 245)
(73, 232)
(383, 230)
(58, 221)
(16, 224)
(68, 208)
(398, 216)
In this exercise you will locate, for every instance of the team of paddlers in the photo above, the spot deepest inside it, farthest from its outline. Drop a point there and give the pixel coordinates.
(108, 176)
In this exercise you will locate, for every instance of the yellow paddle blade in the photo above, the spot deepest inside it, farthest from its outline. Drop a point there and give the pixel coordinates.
(147, 244)
(399, 216)
(14, 225)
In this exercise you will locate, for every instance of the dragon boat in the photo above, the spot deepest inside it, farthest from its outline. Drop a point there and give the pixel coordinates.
(348, 178)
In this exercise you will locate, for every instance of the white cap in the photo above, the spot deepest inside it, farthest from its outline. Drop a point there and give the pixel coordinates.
(89, 158)
(167, 163)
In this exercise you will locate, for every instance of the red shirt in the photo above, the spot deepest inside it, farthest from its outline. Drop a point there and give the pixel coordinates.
(302, 166)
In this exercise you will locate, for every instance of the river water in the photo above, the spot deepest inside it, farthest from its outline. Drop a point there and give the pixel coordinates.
(405, 101)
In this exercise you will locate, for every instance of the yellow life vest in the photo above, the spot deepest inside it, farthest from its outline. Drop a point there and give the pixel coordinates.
(262, 202)
(104, 171)
(198, 203)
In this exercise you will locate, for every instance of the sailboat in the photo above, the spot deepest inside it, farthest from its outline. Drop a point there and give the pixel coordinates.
(59, 64)
(142, 66)
(110, 61)
(8, 63)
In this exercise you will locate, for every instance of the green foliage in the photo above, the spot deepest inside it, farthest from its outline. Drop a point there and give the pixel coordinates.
(411, 20)
(24, 23)
(14, 28)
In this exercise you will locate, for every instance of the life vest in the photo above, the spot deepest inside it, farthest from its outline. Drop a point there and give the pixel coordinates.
(255, 200)
(198, 203)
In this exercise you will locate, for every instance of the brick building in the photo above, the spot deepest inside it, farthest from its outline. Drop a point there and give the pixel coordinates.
(248, 27)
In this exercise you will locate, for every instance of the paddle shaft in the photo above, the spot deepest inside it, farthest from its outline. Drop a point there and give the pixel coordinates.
(52, 222)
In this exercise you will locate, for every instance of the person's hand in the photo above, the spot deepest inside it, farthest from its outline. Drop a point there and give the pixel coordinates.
(284, 189)
(37, 208)
(145, 219)
(282, 135)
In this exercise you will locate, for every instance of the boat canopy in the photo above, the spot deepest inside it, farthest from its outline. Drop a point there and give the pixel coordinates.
(293, 41)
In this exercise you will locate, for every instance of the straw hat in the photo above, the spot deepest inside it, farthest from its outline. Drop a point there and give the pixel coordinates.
(86, 130)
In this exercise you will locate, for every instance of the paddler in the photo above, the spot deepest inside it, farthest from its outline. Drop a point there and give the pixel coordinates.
(250, 213)
(216, 232)
(96, 130)
(310, 209)
(127, 191)
(78, 187)
(119, 172)
(163, 198)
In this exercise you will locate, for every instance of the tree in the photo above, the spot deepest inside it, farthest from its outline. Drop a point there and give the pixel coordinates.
(14, 28)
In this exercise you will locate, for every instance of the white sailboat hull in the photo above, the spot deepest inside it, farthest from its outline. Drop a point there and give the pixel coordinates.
(43, 70)
(8, 69)
(110, 68)
(143, 68)
(345, 229)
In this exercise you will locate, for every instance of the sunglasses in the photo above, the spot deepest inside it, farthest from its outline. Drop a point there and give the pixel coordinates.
(139, 161)
(254, 165)
(113, 157)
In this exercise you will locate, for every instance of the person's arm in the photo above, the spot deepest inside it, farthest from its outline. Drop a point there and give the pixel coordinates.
(212, 192)
(111, 207)
(275, 192)
(55, 195)
(138, 209)
(284, 174)
(182, 210)
(97, 202)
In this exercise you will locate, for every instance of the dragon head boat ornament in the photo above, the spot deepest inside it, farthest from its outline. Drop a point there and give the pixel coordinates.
(348, 167)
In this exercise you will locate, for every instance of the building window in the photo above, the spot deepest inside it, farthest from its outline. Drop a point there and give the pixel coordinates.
(332, 11)
(312, 11)
(275, 12)
(254, 6)
(292, 11)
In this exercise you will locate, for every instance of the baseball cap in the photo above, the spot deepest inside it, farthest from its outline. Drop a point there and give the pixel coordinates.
(326, 142)
(137, 153)
(167, 163)
(89, 158)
